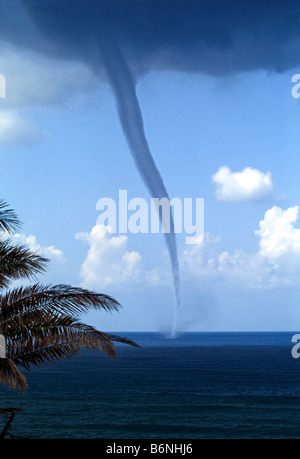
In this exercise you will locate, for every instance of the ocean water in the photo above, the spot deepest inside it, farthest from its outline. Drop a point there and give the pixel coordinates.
(197, 386)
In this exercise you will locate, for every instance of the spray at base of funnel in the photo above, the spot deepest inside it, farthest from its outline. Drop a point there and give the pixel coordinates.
(177, 309)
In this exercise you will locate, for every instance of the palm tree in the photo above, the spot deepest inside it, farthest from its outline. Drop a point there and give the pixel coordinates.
(40, 324)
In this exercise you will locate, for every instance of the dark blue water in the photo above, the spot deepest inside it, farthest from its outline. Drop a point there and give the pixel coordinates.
(200, 385)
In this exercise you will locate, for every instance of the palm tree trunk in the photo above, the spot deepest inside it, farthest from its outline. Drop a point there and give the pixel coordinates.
(2, 347)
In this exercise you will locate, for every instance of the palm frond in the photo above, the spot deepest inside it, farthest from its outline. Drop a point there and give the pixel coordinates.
(121, 339)
(47, 354)
(11, 376)
(38, 331)
(25, 343)
(18, 261)
(9, 221)
(27, 338)
(61, 299)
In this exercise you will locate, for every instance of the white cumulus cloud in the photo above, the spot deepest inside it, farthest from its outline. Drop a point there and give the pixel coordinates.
(247, 185)
(275, 263)
(50, 251)
(108, 261)
(278, 234)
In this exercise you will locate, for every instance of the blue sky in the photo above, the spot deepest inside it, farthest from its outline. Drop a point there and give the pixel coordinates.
(232, 139)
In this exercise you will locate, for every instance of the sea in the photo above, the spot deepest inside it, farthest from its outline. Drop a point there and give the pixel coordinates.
(196, 386)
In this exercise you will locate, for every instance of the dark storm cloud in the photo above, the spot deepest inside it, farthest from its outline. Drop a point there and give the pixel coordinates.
(212, 36)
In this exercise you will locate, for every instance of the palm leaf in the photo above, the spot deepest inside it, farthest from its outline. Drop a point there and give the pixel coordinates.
(18, 261)
(41, 323)
(25, 345)
(53, 299)
(121, 339)
(11, 375)
(47, 354)
(9, 221)
(25, 340)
